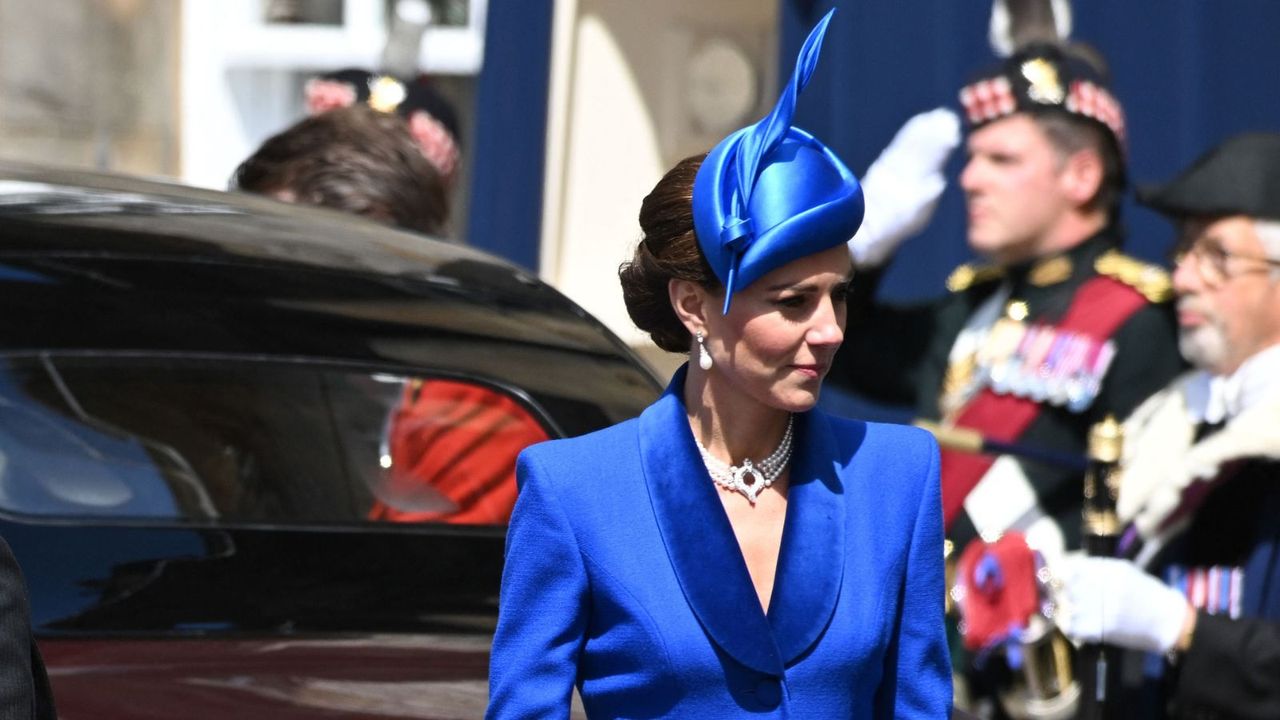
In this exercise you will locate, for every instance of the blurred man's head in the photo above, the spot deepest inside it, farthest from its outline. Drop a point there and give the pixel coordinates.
(1045, 169)
(1228, 284)
(355, 159)
(431, 118)
(1227, 207)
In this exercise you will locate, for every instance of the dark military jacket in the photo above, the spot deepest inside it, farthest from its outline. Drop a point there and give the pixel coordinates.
(1204, 500)
(899, 354)
(24, 685)
(1227, 562)
(1232, 669)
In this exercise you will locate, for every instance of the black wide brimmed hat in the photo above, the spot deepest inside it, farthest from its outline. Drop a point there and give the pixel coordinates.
(1239, 177)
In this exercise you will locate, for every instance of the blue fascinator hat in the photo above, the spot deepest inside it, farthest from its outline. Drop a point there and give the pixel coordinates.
(770, 193)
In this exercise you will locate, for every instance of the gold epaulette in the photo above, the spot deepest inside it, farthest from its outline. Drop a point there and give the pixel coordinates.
(970, 274)
(1152, 281)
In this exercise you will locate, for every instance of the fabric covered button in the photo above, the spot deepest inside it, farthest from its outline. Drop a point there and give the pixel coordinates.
(769, 692)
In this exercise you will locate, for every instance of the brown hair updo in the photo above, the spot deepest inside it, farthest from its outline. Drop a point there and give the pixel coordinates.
(667, 251)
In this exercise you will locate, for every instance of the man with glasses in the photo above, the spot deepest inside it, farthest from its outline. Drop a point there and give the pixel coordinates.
(1200, 578)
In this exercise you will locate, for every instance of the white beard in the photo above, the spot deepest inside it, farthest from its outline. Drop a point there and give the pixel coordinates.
(1204, 346)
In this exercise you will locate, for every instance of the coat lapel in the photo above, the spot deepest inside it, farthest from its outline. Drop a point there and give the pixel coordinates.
(811, 560)
(699, 540)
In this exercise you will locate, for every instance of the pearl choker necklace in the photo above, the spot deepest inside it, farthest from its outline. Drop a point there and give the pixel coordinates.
(749, 478)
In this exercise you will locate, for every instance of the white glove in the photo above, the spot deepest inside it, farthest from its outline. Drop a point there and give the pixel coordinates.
(1113, 601)
(902, 186)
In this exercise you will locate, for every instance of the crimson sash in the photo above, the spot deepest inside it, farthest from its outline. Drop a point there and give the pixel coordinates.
(1099, 308)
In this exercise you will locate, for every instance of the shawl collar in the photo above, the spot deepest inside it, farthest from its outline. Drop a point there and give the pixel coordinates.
(811, 563)
(1161, 462)
(704, 552)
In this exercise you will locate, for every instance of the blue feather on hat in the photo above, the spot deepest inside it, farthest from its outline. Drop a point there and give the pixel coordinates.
(771, 193)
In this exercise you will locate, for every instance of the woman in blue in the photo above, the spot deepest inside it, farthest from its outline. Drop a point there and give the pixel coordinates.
(733, 551)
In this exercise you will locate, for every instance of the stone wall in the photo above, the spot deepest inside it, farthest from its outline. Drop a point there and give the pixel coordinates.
(90, 84)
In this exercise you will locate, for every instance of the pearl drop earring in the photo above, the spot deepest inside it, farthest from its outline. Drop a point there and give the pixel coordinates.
(704, 357)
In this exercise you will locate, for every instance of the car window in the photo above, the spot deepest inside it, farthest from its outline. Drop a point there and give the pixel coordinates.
(256, 442)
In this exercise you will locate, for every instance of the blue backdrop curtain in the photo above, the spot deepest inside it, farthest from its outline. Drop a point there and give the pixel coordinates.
(510, 131)
(1189, 73)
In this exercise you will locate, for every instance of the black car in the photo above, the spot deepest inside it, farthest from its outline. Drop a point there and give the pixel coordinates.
(256, 459)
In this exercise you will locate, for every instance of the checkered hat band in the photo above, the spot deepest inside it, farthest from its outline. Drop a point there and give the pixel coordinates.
(988, 99)
(1089, 100)
(993, 98)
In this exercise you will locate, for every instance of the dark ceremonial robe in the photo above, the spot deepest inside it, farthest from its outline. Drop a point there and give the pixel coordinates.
(903, 355)
(24, 686)
(623, 577)
(1207, 512)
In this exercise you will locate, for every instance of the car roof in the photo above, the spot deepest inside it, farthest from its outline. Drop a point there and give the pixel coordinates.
(92, 262)
(159, 218)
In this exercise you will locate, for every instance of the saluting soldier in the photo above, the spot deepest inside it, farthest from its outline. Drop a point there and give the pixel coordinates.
(1057, 329)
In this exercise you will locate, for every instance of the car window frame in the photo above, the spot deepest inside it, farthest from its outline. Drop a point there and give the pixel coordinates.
(522, 398)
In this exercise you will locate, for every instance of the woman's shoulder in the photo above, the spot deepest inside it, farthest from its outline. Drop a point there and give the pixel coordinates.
(880, 435)
(908, 454)
(606, 447)
(892, 469)
(898, 433)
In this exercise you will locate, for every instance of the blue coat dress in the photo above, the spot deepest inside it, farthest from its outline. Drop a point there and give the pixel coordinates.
(623, 577)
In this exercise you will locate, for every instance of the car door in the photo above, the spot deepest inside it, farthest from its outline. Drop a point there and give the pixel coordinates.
(214, 537)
